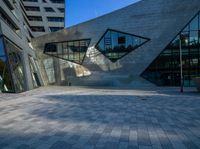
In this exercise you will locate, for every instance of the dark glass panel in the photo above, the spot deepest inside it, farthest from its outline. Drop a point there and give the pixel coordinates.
(50, 47)
(34, 74)
(2, 52)
(194, 38)
(55, 29)
(37, 28)
(165, 69)
(114, 45)
(57, 1)
(16, 66)
(55, 19)
(5, 77)
(185, 39)
(186, 29)
(48, 9)
(73, 51)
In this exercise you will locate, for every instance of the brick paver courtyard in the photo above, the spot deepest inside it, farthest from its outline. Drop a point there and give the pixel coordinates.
(86, 118)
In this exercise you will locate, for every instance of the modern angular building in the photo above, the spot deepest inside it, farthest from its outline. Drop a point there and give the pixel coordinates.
(138, 45)
(20, 21)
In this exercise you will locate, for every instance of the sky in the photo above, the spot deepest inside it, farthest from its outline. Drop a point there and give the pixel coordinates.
(78, 11)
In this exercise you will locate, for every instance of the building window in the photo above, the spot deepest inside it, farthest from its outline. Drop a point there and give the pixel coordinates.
(73, 51)
(31, 8)
(5, 77)
(54, 29)
(48, 9)
(55, 19)
(114, 44)
(11, 68)
(58, 1)
(34, 72)
(30, 0)
(34, 18)
(165, 69)
(37, 29)
(62, 10)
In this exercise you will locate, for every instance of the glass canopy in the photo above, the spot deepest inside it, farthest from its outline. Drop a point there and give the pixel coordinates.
(11, 67)
(165, 69)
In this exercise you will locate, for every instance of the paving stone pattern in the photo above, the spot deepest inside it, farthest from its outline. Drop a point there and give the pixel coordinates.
(86, 118)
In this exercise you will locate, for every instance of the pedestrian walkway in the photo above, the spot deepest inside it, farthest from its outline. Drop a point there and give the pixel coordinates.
(86, 118)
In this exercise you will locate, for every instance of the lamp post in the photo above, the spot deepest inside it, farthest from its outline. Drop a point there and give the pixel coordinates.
(181, 64)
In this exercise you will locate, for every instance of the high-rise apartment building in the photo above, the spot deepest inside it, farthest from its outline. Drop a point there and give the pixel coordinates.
(20, 21)
(44, 15)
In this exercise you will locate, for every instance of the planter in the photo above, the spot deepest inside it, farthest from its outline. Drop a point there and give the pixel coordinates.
(197, 83)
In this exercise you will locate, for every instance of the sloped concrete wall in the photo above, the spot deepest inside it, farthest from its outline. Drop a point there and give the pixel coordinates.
(159, 20)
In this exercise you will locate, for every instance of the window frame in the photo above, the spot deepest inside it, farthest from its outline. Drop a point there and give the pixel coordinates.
(61, 42)
(117, 31)
(185, 28)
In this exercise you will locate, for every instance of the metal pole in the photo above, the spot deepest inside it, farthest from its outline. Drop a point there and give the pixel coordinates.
(181, 65)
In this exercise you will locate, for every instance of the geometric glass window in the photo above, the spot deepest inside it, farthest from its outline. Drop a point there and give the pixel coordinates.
(115, 44)
(34, 72)
(11, 67)
(165, 69)
(73, 51)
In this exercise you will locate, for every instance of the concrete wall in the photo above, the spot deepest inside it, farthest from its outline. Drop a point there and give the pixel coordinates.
(44, 23)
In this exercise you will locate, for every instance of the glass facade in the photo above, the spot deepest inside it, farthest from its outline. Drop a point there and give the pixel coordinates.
(55, 29)
(73, 51)
(165, 69)
(34, 18)
(34, 74)
(11, 68)
(31, 8)
(37, 28)
(114, 44)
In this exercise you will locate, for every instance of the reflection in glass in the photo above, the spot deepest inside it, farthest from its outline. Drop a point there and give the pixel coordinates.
(11, 68)
(5, 78)
(114, 44)
(34, 74)
(165, 70)
(73, 51)
(2, 52)
(16, 66)
(49, 68)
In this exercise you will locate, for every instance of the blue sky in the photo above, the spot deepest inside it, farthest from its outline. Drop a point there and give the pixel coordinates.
(78, 11)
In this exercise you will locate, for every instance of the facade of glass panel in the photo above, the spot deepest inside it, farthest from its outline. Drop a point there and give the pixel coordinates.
(165, 70)
(115, 44)
(5, 77)
(73, 51)
(11, 71)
